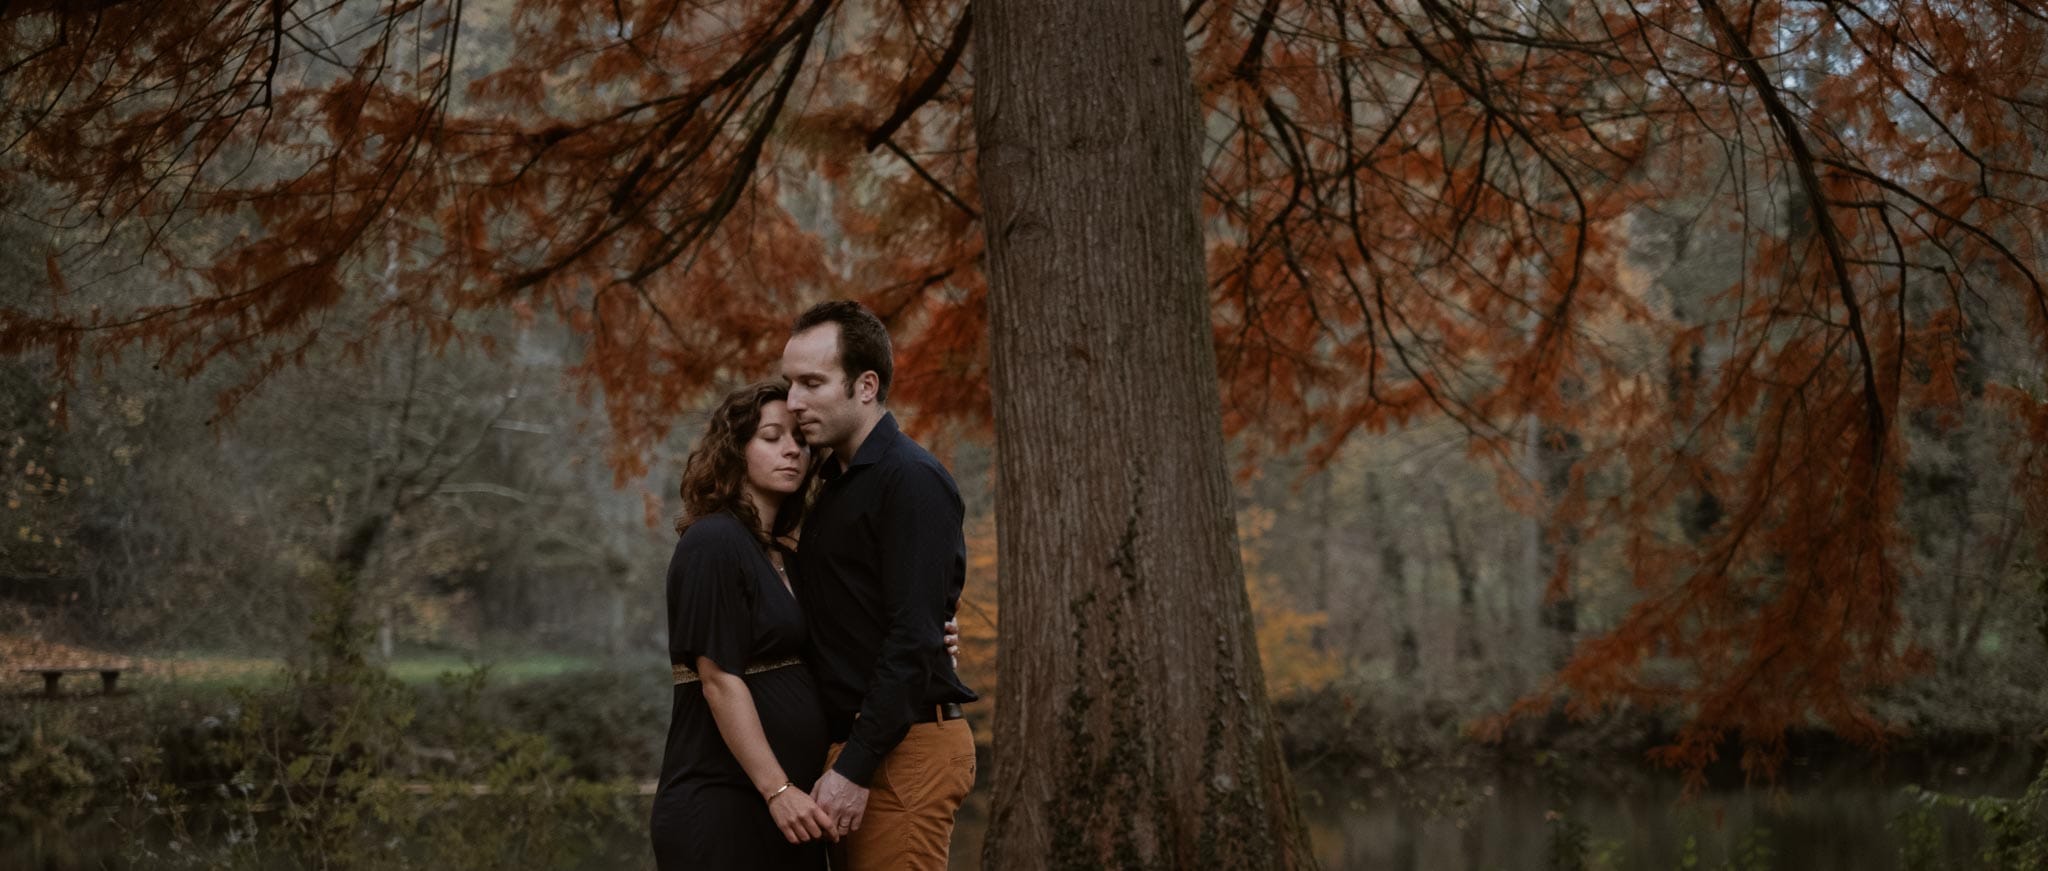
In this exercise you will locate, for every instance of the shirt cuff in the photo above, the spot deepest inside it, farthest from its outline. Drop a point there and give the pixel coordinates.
(857, 763)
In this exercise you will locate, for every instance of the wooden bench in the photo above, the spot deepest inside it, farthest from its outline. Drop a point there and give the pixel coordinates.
(109, 674)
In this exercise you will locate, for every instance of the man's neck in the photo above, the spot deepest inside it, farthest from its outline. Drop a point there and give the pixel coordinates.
(844, 453)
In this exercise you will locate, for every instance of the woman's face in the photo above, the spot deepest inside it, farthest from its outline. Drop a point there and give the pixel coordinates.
(776, 455)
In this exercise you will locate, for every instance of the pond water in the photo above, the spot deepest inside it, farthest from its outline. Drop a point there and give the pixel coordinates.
(1644, 822)
(1844, 819)
(1507, 824)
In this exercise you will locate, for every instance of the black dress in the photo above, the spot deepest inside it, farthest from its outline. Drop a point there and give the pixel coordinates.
(725, 602)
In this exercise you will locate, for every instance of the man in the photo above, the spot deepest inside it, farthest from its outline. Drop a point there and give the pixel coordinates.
(882, 560)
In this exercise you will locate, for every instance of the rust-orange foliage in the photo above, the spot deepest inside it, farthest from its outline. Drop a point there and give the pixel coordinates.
(1293, 662)
(1414, 209)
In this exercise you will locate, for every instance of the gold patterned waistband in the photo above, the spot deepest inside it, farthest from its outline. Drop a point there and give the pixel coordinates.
(685, 674)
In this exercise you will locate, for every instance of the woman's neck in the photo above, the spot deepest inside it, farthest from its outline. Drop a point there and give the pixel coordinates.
(765, 505)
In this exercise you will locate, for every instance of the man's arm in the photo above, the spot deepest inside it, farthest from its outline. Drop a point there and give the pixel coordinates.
(919, 549)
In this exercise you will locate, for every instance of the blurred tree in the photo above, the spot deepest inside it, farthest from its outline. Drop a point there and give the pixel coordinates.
(178, 532)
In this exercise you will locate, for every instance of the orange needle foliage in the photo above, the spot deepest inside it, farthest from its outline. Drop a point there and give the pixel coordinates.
(1414, 209)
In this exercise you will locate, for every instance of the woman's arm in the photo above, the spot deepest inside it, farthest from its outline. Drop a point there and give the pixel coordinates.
(732, 708)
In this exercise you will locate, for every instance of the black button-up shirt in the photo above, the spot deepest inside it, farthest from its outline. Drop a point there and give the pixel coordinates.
(880, 567)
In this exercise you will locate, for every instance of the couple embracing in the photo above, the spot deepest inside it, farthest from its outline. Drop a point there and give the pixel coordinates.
(821, 556)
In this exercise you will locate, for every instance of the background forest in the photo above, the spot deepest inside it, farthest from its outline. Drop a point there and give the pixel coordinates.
(1593, 437)
(1397, 575)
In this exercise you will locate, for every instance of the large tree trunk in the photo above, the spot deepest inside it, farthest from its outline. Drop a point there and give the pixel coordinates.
(1133, 730)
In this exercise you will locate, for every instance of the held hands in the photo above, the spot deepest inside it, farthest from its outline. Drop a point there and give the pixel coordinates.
(842, 801)
(836, 805)
(799, 818)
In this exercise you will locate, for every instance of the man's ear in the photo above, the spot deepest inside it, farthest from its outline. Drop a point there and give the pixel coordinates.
(867, 387)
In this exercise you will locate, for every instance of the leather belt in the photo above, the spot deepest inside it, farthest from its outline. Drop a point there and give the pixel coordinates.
(948, 711)
(685, 674)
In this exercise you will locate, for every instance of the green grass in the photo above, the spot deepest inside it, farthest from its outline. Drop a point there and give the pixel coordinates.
(427, 668)
(206, 671)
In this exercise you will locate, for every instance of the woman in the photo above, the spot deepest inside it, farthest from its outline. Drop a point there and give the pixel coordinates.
(746, 735)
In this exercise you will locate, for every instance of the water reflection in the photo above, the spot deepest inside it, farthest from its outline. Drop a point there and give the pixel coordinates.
(1511, 824)
(1518, 826)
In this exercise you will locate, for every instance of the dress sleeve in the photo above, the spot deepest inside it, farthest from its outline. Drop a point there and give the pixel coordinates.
(708, 610)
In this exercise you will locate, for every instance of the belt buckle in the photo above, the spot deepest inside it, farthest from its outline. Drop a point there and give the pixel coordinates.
(949, 711)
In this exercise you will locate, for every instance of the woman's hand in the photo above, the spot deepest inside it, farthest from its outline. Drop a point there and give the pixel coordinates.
(739, 723)
(799, 818)
(953, 641)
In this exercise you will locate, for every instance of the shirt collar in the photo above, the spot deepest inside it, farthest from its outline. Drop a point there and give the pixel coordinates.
(871, 450)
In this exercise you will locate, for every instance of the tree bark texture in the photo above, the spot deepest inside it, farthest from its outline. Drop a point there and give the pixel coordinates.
(1133, 730)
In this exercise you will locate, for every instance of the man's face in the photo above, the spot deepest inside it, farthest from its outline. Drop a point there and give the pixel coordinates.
(818, 393)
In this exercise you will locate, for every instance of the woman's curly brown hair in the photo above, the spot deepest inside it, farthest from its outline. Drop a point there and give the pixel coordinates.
(715, 475)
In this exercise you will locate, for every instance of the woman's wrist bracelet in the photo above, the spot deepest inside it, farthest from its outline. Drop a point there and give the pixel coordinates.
(780, 790)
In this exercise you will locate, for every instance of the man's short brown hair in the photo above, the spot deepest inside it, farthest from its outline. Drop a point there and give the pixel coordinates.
(863, 341)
